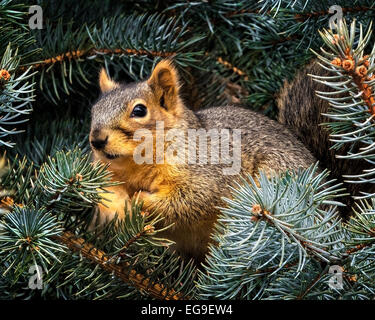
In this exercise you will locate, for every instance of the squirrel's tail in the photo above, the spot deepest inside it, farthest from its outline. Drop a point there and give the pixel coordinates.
(302, 110)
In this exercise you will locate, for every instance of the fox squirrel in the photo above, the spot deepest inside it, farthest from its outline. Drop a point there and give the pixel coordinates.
(186, 194)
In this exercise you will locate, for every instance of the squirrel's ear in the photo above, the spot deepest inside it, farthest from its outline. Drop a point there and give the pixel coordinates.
(105, 82)
(164, 81)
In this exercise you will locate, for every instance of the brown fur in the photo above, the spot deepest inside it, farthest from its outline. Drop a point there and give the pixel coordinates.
(301, 110)
(187, 195)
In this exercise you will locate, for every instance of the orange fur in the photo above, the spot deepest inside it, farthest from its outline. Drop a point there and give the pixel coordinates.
(105, 82)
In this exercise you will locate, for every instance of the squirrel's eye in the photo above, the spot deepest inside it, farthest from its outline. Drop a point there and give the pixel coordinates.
(139, 111)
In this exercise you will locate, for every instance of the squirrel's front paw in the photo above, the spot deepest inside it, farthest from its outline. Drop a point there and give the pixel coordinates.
(148, 198)
(113, 203)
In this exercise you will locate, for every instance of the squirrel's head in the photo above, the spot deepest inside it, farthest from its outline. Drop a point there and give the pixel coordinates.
(123, 109)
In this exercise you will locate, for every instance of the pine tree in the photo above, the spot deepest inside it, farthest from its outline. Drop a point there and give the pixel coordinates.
(279, 239)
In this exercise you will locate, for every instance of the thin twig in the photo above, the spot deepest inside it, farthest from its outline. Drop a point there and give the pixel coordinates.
(131, 277)
(93, 52)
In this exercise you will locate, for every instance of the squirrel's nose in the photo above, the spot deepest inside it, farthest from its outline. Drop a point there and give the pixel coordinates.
(99, 144)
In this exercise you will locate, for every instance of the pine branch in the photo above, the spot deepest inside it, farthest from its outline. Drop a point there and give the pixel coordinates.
(25, 237)
(70, 181)
(261, 214)
(92, 53)
(281, 225)
(16, 179)
(148, 36)
(16, 95)
(233, 68)
(43, 141)
(309, 287)
(352, 98)
(361, 227)
(131, 277)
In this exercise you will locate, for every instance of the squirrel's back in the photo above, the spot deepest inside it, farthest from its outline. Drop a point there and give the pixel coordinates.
(265, 142)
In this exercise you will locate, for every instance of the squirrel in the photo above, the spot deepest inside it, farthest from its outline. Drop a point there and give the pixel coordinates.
(187, 195)
(303, 112)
